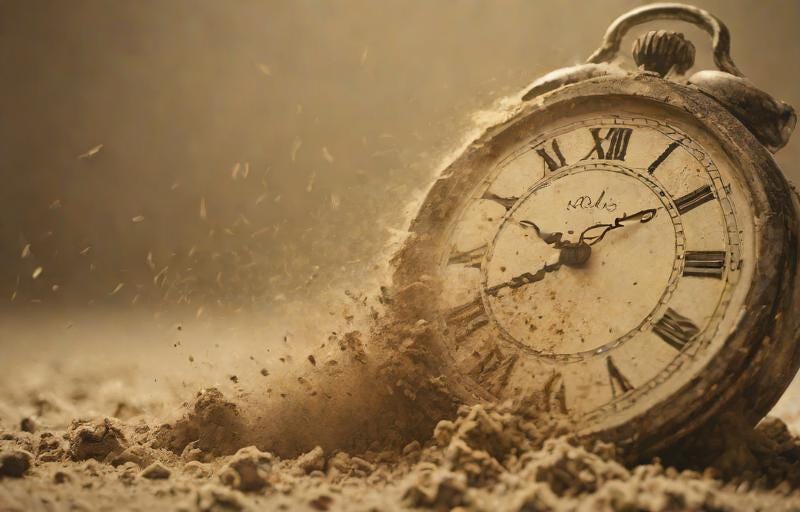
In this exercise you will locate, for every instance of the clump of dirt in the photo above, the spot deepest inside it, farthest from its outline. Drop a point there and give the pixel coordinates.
(95, 439)
(248, 470)
(210, 425)
(14, 462)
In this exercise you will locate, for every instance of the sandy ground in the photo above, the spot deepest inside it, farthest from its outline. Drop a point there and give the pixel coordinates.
(166, 423)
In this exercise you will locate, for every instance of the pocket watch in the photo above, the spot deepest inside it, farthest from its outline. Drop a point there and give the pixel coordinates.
(623, 241)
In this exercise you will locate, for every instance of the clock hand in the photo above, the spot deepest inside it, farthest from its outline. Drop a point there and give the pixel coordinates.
(525, 278)
(571, 254)
(553, 239)
(642, 216)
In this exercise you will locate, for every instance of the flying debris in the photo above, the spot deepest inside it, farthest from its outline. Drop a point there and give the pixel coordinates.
(296, 147)
(161, 277)
(91, 152)
(37, 272)
(265, 70)
(203, 213)
(259, 232)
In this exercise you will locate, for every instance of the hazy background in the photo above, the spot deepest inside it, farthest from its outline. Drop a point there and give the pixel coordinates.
(340, 111)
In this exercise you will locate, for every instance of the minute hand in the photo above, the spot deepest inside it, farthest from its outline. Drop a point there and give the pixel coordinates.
(642, 216)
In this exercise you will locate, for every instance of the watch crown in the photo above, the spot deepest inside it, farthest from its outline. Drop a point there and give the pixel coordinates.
(662, 51)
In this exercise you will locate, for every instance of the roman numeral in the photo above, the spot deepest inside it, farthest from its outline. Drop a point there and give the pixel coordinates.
(471, 258)
(493, 367)
(675, 329)
(663, 156)
(467, 318)
(505, 202)
(694, 199)
(612, 146)
(551, 162)
(555, 392)
(704, 263)
(619, 384)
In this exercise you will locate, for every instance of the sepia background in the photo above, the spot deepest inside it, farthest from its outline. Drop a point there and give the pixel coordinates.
(213, 164)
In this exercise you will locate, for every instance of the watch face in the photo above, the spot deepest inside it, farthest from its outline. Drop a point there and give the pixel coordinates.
(603, 259)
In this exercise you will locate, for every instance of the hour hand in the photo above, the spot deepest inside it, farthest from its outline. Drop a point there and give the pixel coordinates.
(553, 239)
(524, 279)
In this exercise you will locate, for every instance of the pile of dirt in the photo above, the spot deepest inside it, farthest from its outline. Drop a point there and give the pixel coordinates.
(369, 425)
(485, 457)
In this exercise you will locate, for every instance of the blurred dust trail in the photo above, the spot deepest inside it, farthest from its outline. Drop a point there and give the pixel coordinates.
(375, 390)
(339, 369)
(350, 406)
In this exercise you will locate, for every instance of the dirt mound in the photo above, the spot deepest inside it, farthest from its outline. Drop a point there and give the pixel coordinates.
(367, 420)
(210, 425)
(510, 456)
